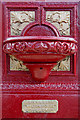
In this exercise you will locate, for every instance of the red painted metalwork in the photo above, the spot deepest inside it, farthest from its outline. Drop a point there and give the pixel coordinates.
(44, 39)
(19, 85)
(40, 53)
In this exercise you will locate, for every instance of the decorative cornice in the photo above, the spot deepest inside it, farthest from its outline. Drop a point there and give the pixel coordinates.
(46, 86)
(40, 47)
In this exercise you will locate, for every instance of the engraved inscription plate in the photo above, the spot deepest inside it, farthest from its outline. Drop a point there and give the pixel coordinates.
(40, 106)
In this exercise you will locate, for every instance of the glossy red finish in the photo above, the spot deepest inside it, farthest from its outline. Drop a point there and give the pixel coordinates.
(40, 71)
(40, 53)
(19, 85)
(14, 107)
(40, 49)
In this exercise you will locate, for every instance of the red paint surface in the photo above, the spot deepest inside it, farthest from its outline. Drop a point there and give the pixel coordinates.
(67, 105)
(39, 52)
(40, 71)
(0, 60)
(19, 85)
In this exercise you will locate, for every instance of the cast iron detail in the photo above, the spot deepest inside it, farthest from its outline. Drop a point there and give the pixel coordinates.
(40, 47)
(55, 86)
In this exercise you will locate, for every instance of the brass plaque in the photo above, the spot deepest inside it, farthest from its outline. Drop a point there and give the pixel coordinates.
(40, 106)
